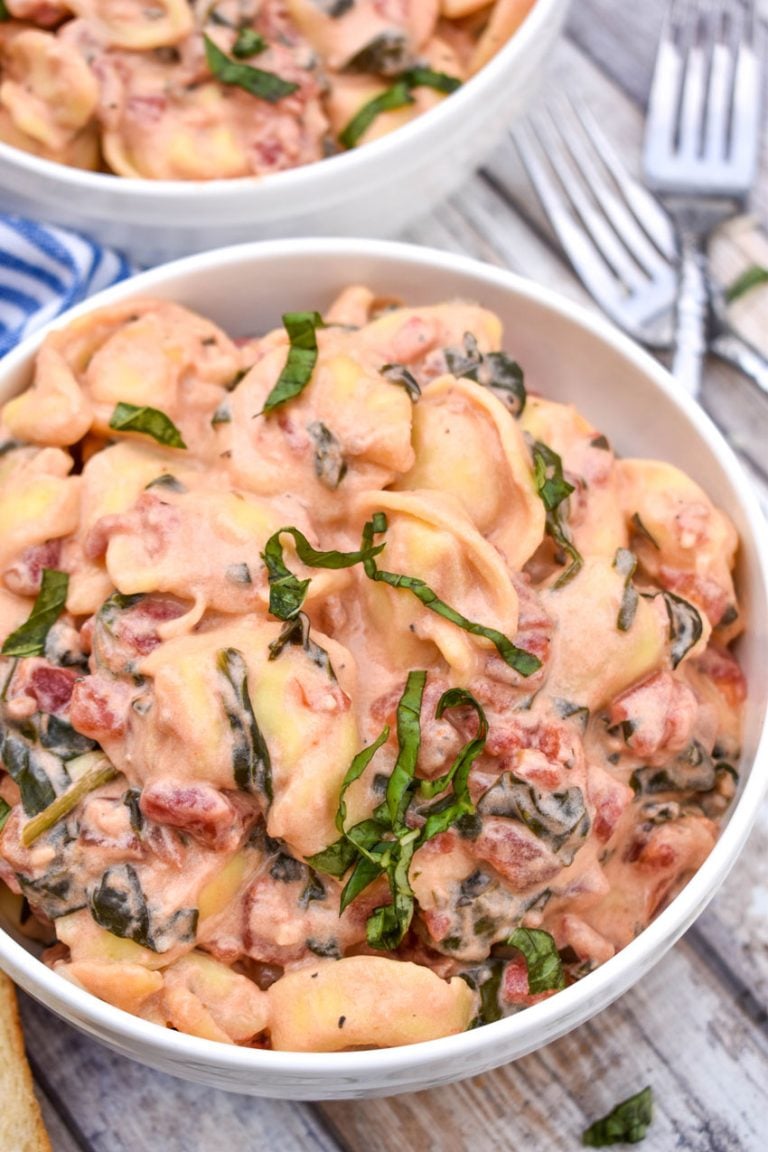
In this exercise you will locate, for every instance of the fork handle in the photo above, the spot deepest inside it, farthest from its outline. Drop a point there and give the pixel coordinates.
(692, 310)
(739, 354)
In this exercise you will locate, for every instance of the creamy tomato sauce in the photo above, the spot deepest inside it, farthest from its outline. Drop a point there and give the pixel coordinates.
(168, 90)
(379, 698)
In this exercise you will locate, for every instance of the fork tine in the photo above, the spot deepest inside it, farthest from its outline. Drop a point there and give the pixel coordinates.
(646, 207)
(721, 79)
(746, 112)
(588, 262)
(694, 93)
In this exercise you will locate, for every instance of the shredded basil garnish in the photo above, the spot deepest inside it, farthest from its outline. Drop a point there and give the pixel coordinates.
(627, 1123)
(248, 42)
(286, 591)
(399, 374)
(625, 563)
(150, 421)
(397, 96)
(545, 969)
(251, 763)
(29, 638)
(523, 662)
(553, 489)
(750, 278)
(492, 370)
(265, 85)
(384, 844)
(302, 357)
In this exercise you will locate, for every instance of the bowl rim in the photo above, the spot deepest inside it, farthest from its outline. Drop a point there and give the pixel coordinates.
(571, 1006)
(347, 165)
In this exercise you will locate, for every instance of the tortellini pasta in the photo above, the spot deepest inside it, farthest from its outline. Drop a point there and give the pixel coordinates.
(351, 697)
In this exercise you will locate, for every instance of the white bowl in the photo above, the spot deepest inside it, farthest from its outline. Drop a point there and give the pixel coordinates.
(570, 355)
(375, 190)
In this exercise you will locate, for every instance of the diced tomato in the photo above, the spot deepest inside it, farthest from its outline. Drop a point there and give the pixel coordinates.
(52, 687)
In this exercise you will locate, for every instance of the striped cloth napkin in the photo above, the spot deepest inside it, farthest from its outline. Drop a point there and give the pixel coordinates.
(45, 270)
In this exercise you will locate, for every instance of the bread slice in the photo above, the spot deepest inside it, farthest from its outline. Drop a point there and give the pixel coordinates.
(21, 1124)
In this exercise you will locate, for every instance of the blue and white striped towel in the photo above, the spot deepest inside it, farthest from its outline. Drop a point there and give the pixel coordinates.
(45, 270)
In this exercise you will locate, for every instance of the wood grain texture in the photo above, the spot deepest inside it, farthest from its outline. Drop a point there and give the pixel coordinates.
(696, 1028)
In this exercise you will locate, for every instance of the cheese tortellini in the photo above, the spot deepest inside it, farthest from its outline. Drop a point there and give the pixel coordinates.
(351, 697)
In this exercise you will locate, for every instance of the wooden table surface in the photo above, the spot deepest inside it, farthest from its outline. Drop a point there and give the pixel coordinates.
(696, 1028)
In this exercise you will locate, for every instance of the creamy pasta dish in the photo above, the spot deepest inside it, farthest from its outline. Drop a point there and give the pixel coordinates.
(349, 695)
(209, 89)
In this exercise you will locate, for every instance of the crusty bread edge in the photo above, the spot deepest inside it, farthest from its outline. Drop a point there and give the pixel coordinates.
(15, 1067)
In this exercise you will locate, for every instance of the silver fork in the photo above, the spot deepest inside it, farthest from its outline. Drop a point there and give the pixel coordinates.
(617, 236)
(701, 144)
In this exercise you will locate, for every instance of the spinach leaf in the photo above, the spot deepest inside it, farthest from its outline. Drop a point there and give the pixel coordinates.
(492, 370)
(248, 42)
(286, 591)
(387, 54)
(5, 811)
(523, 662)
(149, 421)
(486, 980)
(545, 970)
(119, 905)
(100, 772)
(749, 279)
(627, 1123)
(251, 763)
(330, 465)
(625, 563)
(685, 625)
(167, 481)
(27, 769)
(296, 632)
(300, 362)
(132, 800)
(29, 638)
(264, 85)
(640, 529)
(4, 13)
(556, 817)
(238, 574)
(553, 489)
(399, 374)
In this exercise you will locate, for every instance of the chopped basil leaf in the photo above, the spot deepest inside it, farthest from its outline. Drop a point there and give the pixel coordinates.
(286, 591)
(566, 709)
(5, 811)
(355, 771)
(492, 370)
(302, 357)
(330, 465)
(296, 632)
(428, 78)
(4, 13)
(398, 96)
(545, 970)
(409, 741)
(264, 85)
(149, 421)
(399, 374)
(601, 442)
(749, 279)
(442, 816)
(101, 773)
(523, 662)
(29, 638)
(641, 530)
(251, 763)
(625, 563)
(553, 489)
(167, 481)
(627, 1123)
(248, 42)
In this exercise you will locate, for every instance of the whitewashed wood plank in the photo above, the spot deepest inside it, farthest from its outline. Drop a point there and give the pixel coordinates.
(121, 1106)
(707, 1070)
